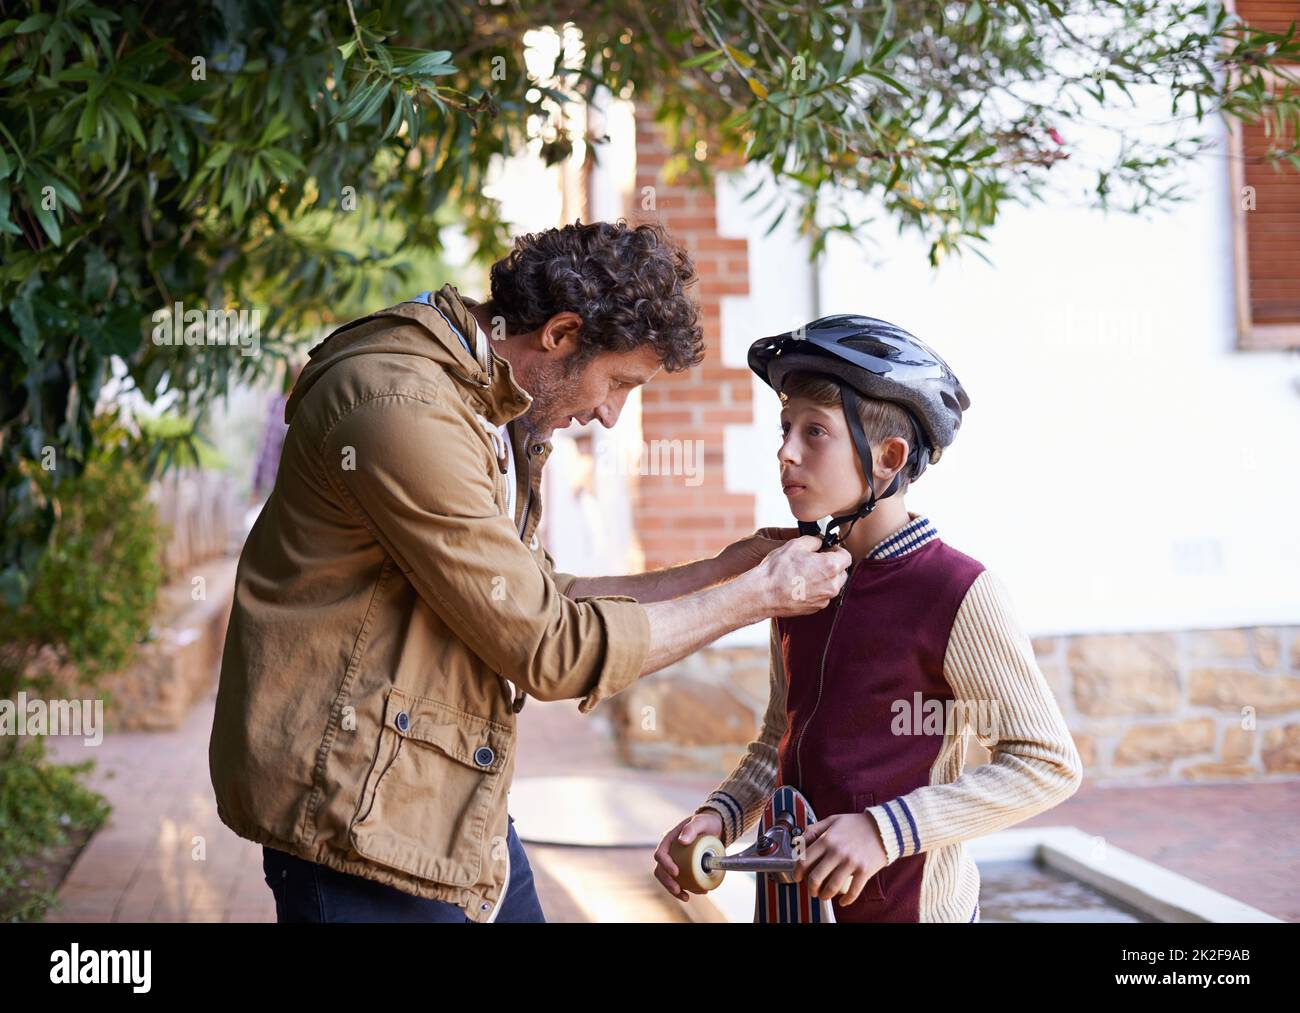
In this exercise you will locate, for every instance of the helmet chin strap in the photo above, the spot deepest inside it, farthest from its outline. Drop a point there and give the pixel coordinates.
(831, 537)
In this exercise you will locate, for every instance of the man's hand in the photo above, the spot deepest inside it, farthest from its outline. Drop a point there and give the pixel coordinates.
(686, 831)
(798, 579)
(751, 550)
(841, 853)
(793, 580)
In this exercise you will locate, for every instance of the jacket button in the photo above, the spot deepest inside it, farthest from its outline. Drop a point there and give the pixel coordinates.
(402, 721)
(484, 756)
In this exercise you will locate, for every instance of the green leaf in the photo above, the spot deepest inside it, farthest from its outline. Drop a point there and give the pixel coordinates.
(66, 194)
(881, 75)
(33, 24)
(703, 58)
(132, 125)
(393, 121)
(285, 162)
(893, 176)
(427, 64)
(373, 102)
(852, 50)
(359, 98)
(47, 218)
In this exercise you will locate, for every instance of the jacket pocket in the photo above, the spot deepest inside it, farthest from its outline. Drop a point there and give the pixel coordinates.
(427, 800)
(876, 888)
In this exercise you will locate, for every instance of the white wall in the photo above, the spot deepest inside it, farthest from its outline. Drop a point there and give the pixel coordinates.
(1122, 466)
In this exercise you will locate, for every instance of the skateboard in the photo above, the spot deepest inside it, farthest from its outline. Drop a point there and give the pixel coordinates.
(773, 858)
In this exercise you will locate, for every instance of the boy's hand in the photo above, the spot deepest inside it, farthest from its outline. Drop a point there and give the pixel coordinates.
(686, 831)
(841, 853)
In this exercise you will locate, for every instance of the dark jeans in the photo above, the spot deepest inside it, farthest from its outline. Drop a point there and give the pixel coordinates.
(308, 892)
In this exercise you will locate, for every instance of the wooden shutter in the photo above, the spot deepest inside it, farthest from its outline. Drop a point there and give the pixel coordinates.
(1266, 204)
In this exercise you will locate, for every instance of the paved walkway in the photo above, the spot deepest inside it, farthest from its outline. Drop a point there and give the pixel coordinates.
(1240, 839)
(165, 856)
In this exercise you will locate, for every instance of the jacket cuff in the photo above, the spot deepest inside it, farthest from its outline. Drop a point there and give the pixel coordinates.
(729, 811)
(563, 582)
(897, 829)
(627, 642)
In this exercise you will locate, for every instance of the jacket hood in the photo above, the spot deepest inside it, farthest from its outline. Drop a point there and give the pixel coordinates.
(432, 338)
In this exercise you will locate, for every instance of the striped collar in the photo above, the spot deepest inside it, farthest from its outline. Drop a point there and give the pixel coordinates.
(918, 531)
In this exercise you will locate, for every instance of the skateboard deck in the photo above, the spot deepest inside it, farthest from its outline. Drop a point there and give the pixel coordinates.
(776, 899)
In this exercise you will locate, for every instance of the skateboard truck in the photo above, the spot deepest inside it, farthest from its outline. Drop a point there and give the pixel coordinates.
(702, 863)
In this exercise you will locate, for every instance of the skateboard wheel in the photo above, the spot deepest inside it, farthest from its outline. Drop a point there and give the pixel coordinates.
(689, 859)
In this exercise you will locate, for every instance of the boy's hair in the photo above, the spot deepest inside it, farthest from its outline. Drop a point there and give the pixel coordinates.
(880, 419)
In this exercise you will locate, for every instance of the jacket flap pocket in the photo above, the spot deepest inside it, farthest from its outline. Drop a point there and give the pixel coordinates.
(475, 741)
(434, 791)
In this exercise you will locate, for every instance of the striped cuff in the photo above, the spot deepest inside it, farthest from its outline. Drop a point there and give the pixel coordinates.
(898, 830)
(729, 811)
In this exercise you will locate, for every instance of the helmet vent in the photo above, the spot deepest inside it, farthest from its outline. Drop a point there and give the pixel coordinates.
(870, 346)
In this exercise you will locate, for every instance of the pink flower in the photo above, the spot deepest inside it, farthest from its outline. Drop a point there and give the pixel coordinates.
(1054, 135)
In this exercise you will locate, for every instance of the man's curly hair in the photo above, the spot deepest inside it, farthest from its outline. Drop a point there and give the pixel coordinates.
(627, 283)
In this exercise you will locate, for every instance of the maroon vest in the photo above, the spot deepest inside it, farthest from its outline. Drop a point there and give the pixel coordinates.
(883, 640)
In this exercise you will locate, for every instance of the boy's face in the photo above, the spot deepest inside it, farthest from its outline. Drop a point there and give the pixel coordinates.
(821, 474)
(820, 471)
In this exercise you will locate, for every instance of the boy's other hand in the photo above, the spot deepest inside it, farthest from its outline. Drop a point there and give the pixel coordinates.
(686, 831)
(841, 853)
(801, 580)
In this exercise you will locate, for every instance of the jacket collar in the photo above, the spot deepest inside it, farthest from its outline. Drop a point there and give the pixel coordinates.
(489, 375)
(917, 532)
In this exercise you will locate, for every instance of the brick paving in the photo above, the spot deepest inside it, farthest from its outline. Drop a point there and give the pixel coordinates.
(1240, 839)
(164, 855)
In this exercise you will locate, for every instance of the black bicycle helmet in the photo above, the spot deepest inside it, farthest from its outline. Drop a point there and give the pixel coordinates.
(875, 359)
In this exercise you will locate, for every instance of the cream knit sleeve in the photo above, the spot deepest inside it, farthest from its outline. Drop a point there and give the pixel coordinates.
(1035, 764)
(739, 800)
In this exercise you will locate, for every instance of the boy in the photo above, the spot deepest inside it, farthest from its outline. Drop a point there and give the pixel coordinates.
(860, 717)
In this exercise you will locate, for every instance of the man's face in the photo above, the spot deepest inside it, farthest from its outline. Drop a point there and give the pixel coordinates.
(595, 390)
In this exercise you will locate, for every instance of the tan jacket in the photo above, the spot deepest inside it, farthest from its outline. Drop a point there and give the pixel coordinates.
(389, 618)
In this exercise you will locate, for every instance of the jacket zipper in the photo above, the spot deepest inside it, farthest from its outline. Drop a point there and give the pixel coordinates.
(519, 698)
(821, 676)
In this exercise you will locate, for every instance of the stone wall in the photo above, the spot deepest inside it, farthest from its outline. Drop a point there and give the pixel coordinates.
(1151, 708)
(1211, 705)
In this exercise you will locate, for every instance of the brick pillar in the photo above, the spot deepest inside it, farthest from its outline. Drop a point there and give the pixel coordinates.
(675, 520)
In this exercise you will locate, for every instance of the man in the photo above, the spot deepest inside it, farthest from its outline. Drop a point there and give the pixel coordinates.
(393, 607)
